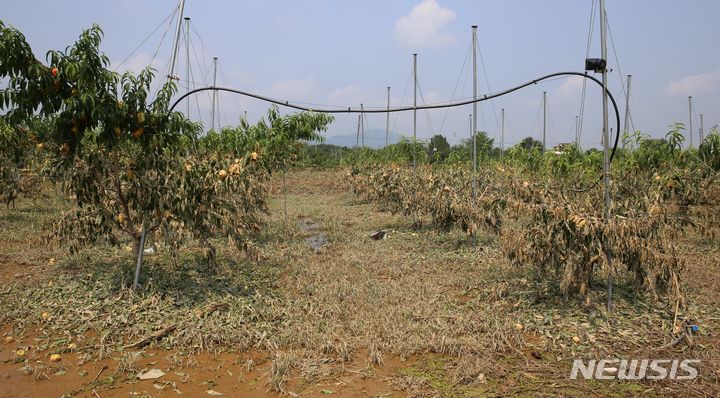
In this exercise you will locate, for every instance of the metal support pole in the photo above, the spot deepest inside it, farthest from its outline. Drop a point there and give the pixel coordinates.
(362, 125)
(474, 115)
(414, 111)
(387, 119)
(357, 137)
(606, 151)
(544, 120)
(187, 64)
(214, 97)
(702, 130)
(627, 108)
(502, 135)
(285, 195)
(577, 132)
(690, 129)
(177, 38)
(470, 120)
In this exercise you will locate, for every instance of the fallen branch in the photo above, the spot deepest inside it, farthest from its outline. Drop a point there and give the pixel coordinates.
(98, 375)
(686, 336)
(672, 343)
(215, 307)
(157, 336)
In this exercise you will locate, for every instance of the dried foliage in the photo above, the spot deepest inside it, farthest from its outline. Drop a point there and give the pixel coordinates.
(445, 197)
(573, 247)
(552, 226)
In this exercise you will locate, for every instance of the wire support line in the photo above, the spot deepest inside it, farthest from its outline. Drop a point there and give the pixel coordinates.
(487, 84)
(587, 54)
(172, 14)
(452, 97)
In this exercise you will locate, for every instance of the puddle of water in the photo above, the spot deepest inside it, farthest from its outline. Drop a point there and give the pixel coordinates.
(308, 225)
(318, 239)
(317, 242)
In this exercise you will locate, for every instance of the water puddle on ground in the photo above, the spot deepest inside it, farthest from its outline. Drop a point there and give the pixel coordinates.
(317, 238)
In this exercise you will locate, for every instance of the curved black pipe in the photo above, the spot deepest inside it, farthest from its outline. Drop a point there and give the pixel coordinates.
(409, 108)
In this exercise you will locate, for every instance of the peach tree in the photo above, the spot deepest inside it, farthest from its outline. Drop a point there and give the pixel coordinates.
(128, 164)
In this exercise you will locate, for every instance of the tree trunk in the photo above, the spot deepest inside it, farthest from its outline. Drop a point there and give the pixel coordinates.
(136, 245)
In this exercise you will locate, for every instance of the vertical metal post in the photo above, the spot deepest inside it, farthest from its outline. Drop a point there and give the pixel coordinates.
(606, 150)
(502, 135)
(470, 120)
(702, 130)
(187, 64)
(387, 119)
(544, 119)
(357, 137)
(474, 115)
(285, 195)
(690, 129)
(577, 132)
(214, 97)
(414, 111)
(627, 108)
(177, 38)
(362, 124)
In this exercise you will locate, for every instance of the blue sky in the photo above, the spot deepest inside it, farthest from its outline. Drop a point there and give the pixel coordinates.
(348, 52)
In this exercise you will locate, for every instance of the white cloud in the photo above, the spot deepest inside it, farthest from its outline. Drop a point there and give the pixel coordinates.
(423, 26)
(140, 61)
(293, 88)
(431, 97)
(694, 84)
(350, 95)
(570, 88)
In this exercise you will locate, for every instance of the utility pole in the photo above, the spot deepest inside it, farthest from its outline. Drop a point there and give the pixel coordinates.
(627, 108)
(502, 134)
(177, 37)
(387, 119)
(187, 59)
(357, 137)
(362, 125)
(414, 111)
(690, 130)
(471, 124)
(474, 114)
(577, 133)
(606, 148)
(702, 132)
(544, 119)
(214, 97)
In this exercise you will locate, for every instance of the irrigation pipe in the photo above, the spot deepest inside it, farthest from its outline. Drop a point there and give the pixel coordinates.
(409, 108)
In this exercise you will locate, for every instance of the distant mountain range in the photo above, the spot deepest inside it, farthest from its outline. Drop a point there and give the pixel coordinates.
(374, 138)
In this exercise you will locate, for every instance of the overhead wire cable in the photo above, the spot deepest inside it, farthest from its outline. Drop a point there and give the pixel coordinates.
(587, 54)
(457, 82)
(427, 112)
(402, 101)
(487, 84)
(617, 62)
(172, 14)
(205, 55)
